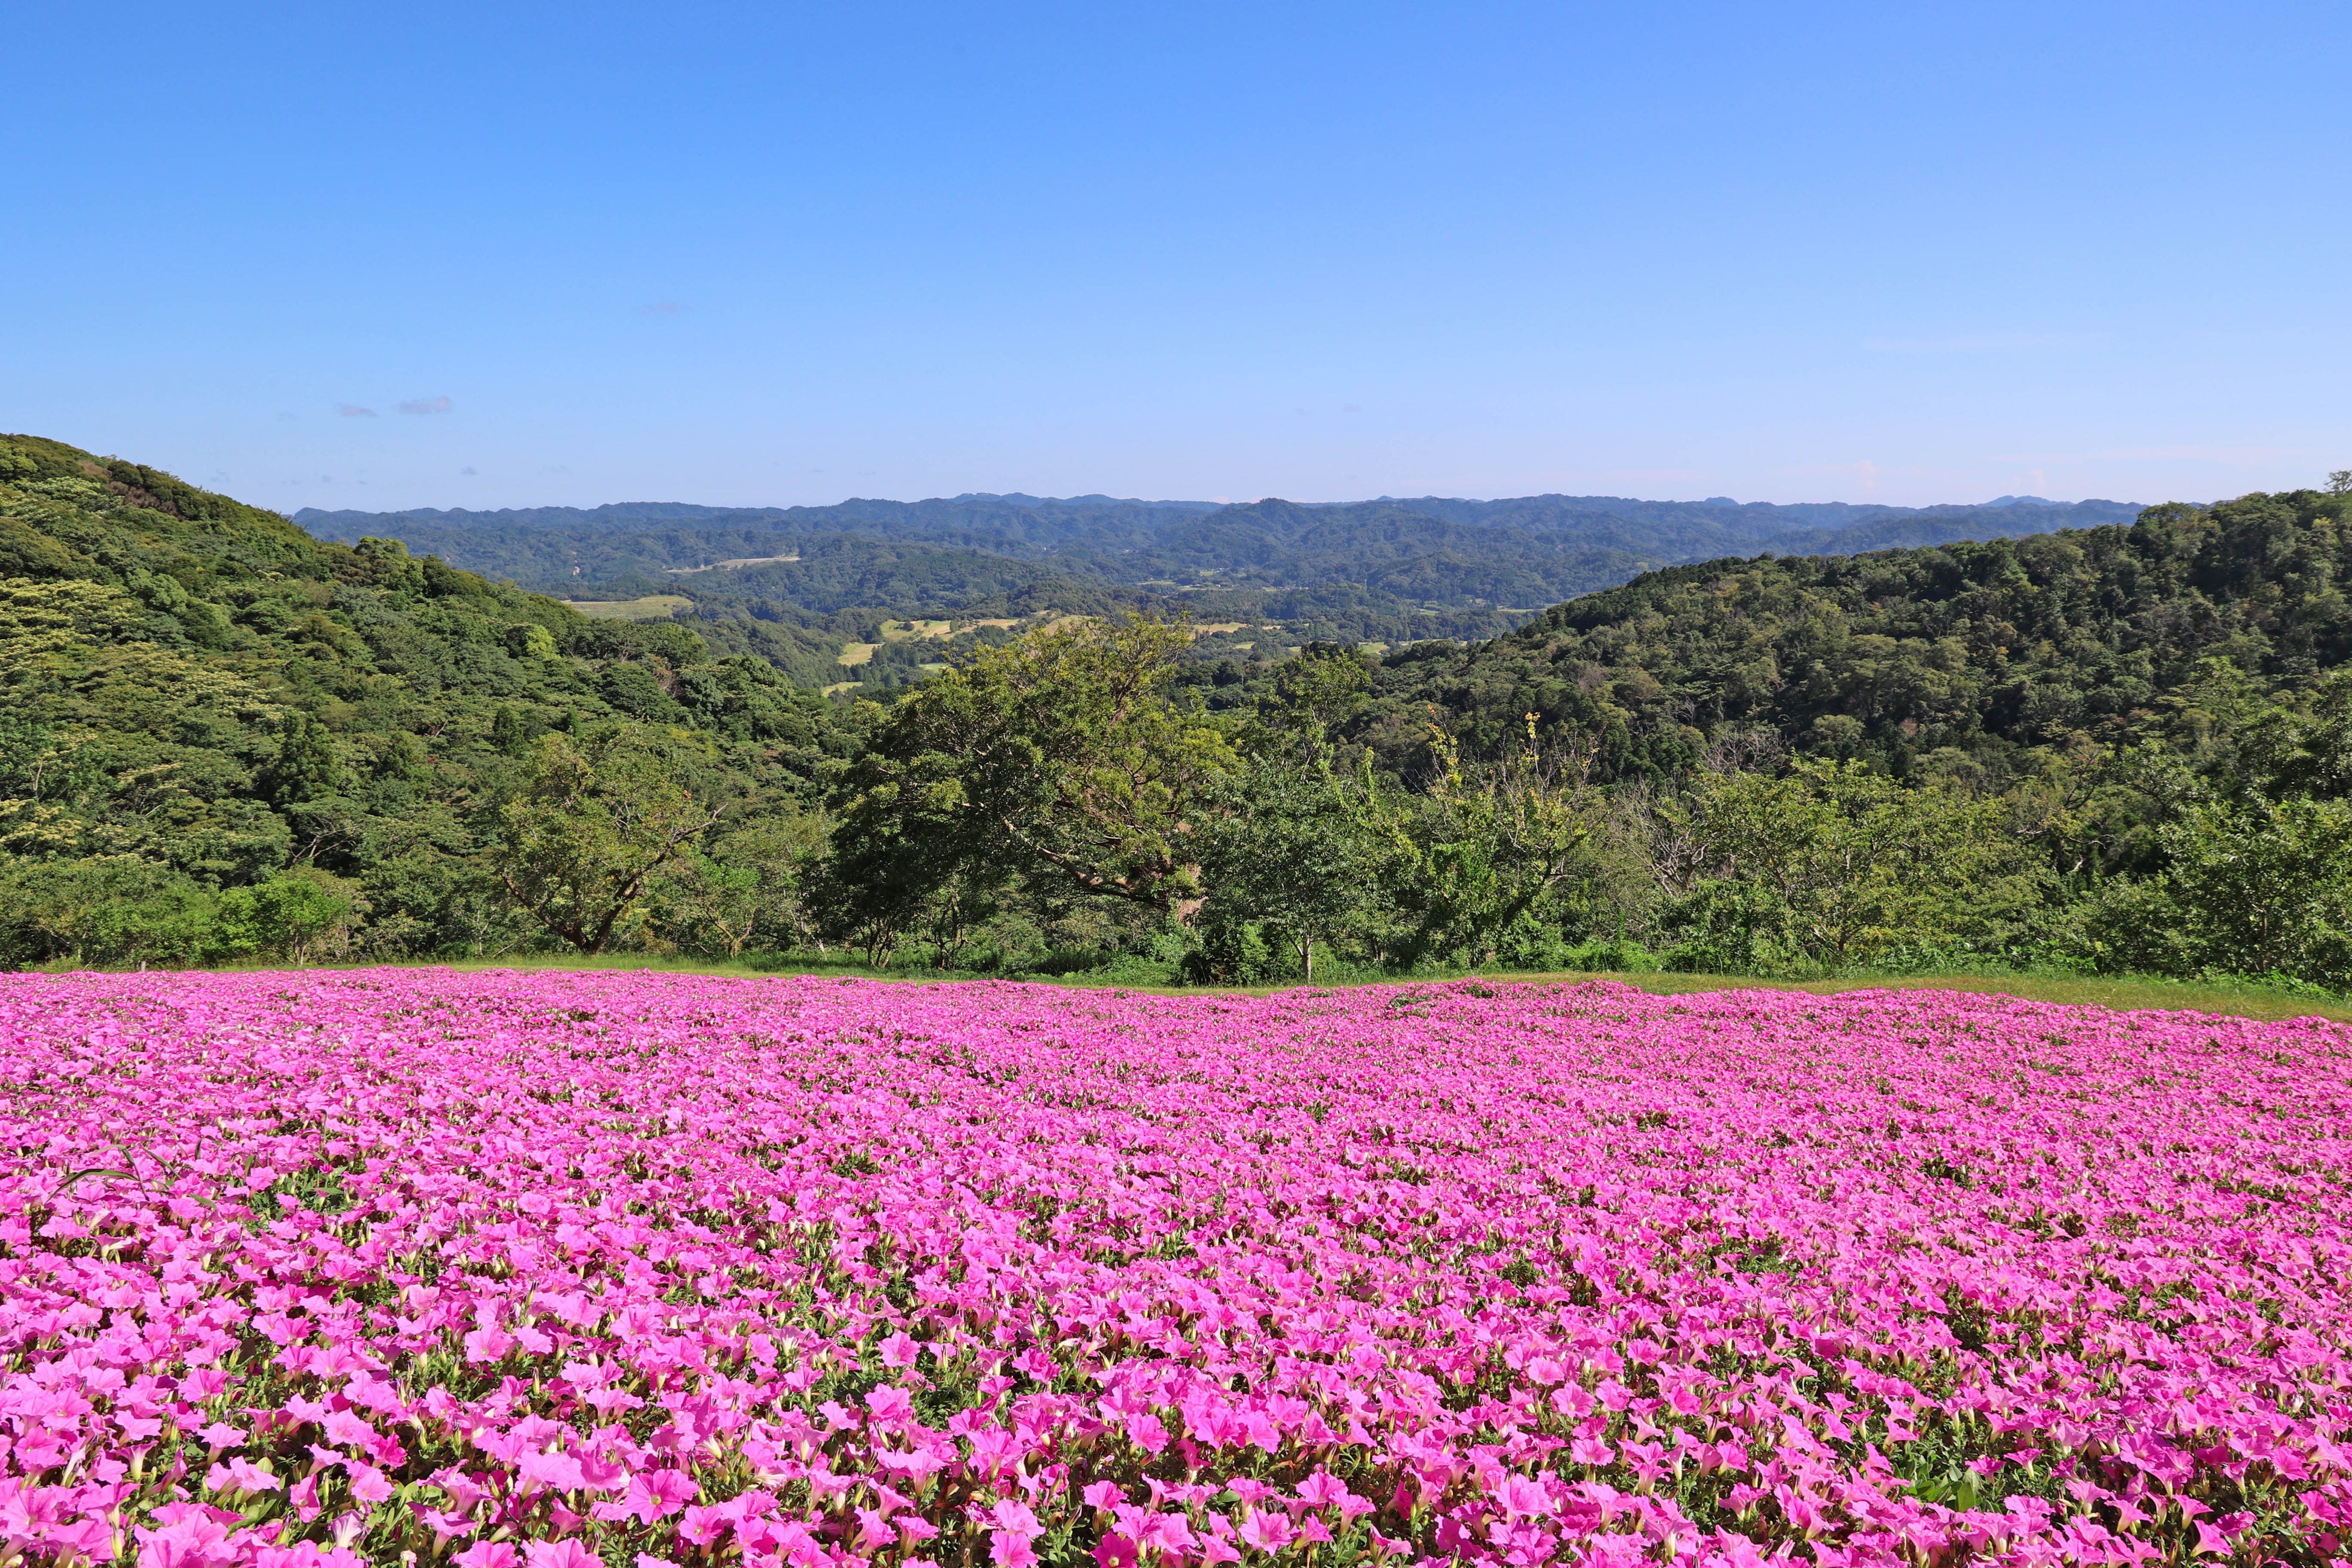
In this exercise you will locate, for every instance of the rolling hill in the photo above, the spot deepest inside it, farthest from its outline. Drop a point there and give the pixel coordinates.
(209, 714)
(1385, 571)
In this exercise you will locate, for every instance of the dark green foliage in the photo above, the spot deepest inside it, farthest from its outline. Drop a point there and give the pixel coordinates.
(222, 738)
(1991, 648)
(1300, 853)
(1057, 761)
(591, 829)
(1384, 570)
(2128, 747)
(106, 910)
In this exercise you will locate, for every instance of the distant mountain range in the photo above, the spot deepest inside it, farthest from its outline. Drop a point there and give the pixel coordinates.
(1389, 569)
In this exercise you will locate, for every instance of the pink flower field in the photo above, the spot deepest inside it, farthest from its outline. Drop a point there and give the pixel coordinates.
(548, 1270)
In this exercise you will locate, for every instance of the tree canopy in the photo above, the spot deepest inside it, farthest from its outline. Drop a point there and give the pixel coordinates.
(2125, 747)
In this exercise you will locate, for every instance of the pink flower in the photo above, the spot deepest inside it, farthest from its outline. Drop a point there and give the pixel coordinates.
(1015, 1518)
(244, 1476)
(1172, 1534)
(651, 1495)
(1322, 1490)
(193, 1541)
(345, 1429)
(1146, 1432)
(873, 1531)
(700, 1525)
(647, 1270)
(565, 1553)
(1266, 1532)
(890, 1404)
(1524, 1499)
(559, 1471)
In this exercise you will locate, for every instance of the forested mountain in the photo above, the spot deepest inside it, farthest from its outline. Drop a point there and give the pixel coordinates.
(200, 700)
(2127, 746)
(1385, 571)
(1990, 647)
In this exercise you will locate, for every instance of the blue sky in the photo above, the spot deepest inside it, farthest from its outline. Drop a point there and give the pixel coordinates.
(766, 254)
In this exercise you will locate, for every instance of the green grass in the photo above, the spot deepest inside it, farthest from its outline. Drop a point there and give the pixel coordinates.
(2247, 1000)
(651, 607)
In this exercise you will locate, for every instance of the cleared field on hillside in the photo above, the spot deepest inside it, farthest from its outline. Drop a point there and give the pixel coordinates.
(651, 607)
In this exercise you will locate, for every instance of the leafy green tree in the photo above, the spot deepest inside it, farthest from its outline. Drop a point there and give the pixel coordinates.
(1856, 863)
(115, 910)
(2304, 750)
(1302, 852)
(589, 827)
(306, 766)
(528, 639)
(2254, 887)
(302, 914)
(1058, 756)
(1313, 694)
(1491, 845)
(746, 888)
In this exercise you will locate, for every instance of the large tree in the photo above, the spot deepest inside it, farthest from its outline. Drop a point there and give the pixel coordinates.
(1057, 757)
(1856, 863)
(1304, 852)
(589, 825)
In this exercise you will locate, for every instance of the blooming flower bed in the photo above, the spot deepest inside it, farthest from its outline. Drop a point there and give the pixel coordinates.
(548, 1270)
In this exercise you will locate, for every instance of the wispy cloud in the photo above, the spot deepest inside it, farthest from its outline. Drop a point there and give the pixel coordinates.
(353, 411)
(425, 405)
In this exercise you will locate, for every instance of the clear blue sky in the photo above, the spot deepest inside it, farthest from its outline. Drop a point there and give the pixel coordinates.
(766, 254)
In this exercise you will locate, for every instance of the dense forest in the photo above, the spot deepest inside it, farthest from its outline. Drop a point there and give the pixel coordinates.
(819, 580)
(2125, 748)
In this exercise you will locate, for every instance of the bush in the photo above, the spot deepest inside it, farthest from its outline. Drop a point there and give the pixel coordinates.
(302, 914)
(1234, 953)
(1728, 927)
(110, 910)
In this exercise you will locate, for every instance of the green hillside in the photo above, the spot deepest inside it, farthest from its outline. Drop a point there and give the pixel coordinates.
(200, 697)
(1382, 570)
(1988, 650)
(2121, 749)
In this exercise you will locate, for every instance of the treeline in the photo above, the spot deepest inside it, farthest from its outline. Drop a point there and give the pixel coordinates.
(1385, 571)
(2121, 749)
